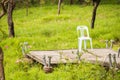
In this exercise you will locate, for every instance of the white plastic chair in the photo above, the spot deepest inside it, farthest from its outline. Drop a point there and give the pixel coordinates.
(83, 35)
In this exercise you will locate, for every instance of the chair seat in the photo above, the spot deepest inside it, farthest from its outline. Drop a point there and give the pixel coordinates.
(84, 38)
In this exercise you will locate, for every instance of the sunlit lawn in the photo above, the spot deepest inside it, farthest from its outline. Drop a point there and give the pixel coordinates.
(43, 29)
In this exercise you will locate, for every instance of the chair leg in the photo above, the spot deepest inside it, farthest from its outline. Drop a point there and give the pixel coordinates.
(85, 44)
(80, 45)
(91, 43)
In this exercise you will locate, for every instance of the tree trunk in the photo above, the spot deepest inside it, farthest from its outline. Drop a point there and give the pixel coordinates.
(59, 4)
(80, 1)
(71, 2)
(32, 1)
(96, 4)
(10, 20)
(2, 75)
(27, 5)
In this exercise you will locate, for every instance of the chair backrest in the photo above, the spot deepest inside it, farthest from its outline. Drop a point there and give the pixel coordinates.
(82, 31)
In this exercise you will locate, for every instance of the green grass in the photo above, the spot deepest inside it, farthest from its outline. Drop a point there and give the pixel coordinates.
(43, 29)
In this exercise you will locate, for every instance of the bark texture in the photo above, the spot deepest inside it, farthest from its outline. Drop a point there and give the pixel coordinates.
(11, 6)
(71, 2)
(96, 4)
(59, 4)
(7, 7)
(2, 75)
(3, 4)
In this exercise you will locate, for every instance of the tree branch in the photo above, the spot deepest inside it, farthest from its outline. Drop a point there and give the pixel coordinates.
(4, 10)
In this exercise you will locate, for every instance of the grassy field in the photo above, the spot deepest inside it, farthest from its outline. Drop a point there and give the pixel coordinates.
(43, 29)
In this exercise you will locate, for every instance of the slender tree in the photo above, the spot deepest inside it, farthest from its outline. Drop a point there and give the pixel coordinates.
(80, 1)
(59, 4)
(11, 5)
(32, 1)
(71, 2)
(27, 5)
(2, 75)
(7, 7)
(95, 4)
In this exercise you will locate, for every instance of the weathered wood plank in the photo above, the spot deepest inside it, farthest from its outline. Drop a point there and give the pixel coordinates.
(70, 56)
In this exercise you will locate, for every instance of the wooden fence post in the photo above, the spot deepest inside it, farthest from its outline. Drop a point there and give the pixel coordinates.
(106, 43)
(112, 42)
(44, 60)
(2, 75)
(118, 52)
(49, 62)
(115, 61)
(110, 61)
